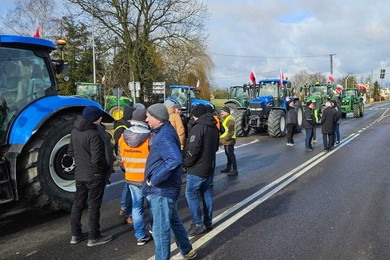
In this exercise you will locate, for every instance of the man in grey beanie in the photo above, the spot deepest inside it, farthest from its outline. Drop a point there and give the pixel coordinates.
(163, 183)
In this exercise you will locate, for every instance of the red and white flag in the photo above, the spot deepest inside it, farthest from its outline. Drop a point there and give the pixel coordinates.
(37, 32)
(281, 77)
(331, 78)
(197, 85)
(252, 77)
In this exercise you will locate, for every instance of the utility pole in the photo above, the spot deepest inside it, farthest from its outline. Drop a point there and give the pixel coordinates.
(331, 63)
(93, 44)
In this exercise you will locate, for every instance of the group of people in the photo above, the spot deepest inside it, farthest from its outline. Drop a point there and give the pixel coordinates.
(151, 151)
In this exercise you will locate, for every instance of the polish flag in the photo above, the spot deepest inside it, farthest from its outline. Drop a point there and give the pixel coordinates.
(252, 77)
(197, 85)
(37, 33)
(331, 78)
(281, 78)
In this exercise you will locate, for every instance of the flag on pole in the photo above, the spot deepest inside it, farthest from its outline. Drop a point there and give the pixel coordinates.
(197, 85)
(252, 77)
(281, 78)
(331, 78)
(37, 32)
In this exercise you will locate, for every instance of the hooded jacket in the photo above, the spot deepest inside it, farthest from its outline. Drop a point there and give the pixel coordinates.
(87, 148)
(291, 115)
(163, 166)
(133, 147)
(177, 123)
(201, 146)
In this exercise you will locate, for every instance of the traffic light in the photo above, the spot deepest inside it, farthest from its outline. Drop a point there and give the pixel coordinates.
(383, 72)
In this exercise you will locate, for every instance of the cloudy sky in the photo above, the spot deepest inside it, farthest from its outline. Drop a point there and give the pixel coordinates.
(265, 36)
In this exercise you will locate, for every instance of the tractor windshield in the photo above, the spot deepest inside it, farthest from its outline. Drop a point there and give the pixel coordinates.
(24, 78)
(269, 89)
(238, 92)
(350, 92)
(180, 94)
(318, 90)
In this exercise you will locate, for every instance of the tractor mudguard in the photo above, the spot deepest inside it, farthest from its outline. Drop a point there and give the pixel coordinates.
(32, 117)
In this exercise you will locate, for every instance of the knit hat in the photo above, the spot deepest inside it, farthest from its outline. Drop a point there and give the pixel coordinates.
(138, 106)
(169, 103)
(209, 108)
(199, 110)
(92, 113)
(177, 106)
(139, 115)
(226, 109)
(128, 113)
(159, 111)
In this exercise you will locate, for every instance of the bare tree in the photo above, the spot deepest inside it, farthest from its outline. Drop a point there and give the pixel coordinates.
(145, 27)
(28, 14)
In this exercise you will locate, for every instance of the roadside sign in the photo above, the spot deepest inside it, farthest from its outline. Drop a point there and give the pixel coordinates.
(158, 88)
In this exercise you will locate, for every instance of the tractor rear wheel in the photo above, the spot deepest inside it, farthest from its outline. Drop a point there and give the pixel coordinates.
(299, 109)
(356, 110)
(277, 123)
(242, 123)
(361, 109)
(46, 171)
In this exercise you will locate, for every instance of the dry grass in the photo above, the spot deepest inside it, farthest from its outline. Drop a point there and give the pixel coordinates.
(218, 103)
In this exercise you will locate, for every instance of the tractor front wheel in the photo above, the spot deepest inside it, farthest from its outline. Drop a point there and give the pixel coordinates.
(277, 123)
(116, 112)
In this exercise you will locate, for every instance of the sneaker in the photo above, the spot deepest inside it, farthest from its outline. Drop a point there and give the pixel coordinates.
(77, 239)
(337, 142)
(208, 226)
(226, 170)
(232, 173)
(196, 230)
(143, 241)
(290, 144)
(308, 149)
(101, 240)
(190, 255)
(315, 141)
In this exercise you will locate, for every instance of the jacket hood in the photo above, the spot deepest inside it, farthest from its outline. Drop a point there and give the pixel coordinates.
(82, 124)
(206, 119)
(136, 134)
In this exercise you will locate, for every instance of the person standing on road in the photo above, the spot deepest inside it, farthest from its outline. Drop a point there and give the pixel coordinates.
(292, 121)
(133, 148)
(91, 170)
(176, 122)
(119, 126)
(228, 140)
(328, 121)
(201, 148)
(163, 183)
(337, 105)
(309, 122)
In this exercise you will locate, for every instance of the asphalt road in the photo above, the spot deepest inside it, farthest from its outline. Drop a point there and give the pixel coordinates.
(284, 204)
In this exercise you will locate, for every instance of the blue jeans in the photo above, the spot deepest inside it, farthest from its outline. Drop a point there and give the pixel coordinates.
(309, 136)
(165, 218)
(337, 132)
(196, 186)
(126, 201)
(138, 211)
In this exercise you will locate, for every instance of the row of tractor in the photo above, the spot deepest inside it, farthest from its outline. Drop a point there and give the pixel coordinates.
(262, 107)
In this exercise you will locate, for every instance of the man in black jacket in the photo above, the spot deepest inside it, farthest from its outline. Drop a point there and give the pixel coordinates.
(309, 122)
(91, 169)
(328, 121)
(201, 148)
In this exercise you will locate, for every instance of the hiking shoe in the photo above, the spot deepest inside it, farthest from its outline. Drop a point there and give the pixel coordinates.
(143, 241)
(190, 255)
(79, 238)
(226, 170)
(101, 240)
(196, 230)
(232, 173)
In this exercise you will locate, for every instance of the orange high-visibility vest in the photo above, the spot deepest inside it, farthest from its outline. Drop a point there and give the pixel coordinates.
(134, 160)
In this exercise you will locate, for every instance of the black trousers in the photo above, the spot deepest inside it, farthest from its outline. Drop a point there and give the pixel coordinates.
(328, 140)
(90, 192)
(231, 157)
(291, 130)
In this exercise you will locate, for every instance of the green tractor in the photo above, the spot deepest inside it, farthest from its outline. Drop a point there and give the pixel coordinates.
(238, 102)
(95, 92)
(352, 102)
(320, 93)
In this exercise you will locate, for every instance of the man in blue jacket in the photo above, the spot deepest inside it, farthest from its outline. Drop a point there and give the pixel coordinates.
(162, 184)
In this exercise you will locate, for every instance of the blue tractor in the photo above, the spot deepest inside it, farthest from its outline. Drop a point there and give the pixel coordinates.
(268, 109)
(185, 96)
(35, 126)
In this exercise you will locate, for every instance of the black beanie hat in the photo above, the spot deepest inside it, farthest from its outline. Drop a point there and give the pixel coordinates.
(128, 113)
(199, 110)
(92, 113)
(159, 111)
(226, 109)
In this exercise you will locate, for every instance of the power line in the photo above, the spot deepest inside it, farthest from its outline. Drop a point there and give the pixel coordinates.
(269, 57)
